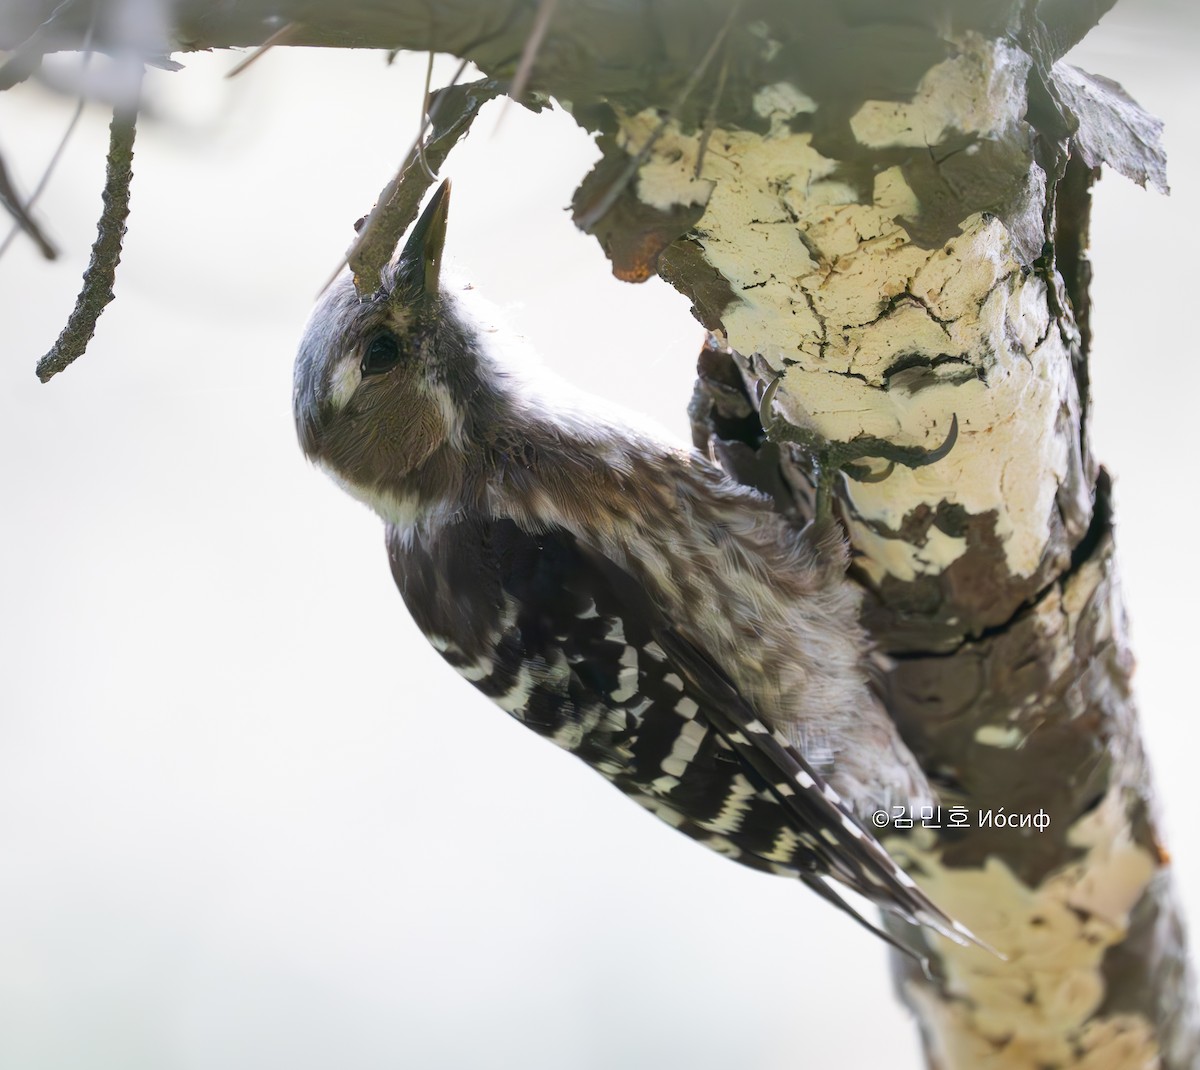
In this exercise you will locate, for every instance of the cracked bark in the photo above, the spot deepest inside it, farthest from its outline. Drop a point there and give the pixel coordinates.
(892, 208)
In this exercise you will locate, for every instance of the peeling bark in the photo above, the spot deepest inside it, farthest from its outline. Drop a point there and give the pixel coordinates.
(992, 572)
(889, 207)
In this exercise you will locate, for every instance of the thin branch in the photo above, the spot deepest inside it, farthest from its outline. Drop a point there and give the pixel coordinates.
(52, 164)
(710, 120)
(282, 36)
(106, 251)
(44, 181)
(11, 199)
(593, 215)
(425, 120)
(533, 45)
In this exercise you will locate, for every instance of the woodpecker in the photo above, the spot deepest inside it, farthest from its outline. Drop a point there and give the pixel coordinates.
(611, 590)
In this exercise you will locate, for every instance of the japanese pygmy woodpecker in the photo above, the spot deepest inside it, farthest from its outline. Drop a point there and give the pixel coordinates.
(611, 590)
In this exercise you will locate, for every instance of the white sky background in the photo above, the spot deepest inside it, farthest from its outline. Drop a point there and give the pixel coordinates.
(248, 818)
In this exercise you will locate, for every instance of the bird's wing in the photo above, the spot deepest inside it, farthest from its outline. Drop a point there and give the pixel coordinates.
(574, 647)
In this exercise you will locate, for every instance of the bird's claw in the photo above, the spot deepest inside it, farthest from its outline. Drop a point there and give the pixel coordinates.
(830, 458)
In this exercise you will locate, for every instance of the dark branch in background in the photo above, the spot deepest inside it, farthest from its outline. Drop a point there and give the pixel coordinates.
(44, 181)
(12, 202)
(40, 188)
(98, 279)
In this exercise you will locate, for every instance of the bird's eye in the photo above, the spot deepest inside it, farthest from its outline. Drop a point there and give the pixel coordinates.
(383, 353)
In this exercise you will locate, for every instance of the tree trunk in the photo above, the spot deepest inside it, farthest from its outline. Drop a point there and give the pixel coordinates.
(887, 207)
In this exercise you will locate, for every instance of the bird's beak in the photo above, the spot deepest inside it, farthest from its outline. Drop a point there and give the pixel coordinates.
(423, 250)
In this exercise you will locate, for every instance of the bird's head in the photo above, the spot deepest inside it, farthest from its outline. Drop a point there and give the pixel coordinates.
(377, 379)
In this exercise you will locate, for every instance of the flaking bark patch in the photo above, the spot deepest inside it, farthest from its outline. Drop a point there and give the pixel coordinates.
(972, 594)
(632, 233)
(682, 264)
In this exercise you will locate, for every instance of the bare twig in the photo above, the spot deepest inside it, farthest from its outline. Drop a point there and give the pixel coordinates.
(24, 221)
(40, 188)
(593, 215)
(710, 120)
(533, 45)
(280, 37)
(425, 119)
(44, 181)
(106, 251)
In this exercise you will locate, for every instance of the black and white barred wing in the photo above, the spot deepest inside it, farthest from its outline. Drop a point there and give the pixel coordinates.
(571, 645)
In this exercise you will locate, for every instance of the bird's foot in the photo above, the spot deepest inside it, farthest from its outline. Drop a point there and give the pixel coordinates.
(829, 458)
